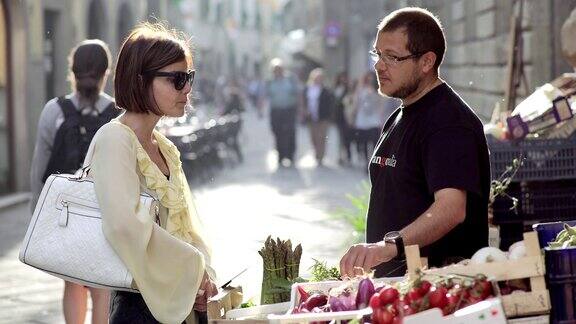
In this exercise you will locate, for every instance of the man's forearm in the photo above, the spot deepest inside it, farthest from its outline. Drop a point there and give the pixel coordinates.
(436, 222)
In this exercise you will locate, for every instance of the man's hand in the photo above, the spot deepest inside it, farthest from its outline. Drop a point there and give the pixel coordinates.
(207, 289)
(365, 256)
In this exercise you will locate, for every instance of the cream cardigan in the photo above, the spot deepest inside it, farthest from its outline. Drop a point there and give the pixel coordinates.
(167, 262)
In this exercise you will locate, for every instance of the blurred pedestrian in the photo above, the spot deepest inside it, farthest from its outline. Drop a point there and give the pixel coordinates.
(372, 110)
(283, 97)
(341, 90)
(234, 103)
(255, 89)
(349, 102)
(167, 255)
(234, 98)
(66, 127)
(318, 113)
(219, 97)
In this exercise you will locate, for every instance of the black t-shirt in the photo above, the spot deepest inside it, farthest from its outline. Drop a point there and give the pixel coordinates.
(435, 143)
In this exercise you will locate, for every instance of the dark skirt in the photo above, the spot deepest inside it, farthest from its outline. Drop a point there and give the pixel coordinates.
(127, 308)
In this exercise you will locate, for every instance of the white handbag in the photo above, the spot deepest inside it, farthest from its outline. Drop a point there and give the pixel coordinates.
(65, 238)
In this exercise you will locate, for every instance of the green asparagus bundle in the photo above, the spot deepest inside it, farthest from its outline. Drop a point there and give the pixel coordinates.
(281, 264)
(564, 239)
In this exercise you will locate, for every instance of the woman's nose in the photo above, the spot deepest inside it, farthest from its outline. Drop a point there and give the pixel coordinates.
(187, 88)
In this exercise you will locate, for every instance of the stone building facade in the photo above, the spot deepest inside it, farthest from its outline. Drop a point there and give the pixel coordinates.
(478, 34)
(35, 40)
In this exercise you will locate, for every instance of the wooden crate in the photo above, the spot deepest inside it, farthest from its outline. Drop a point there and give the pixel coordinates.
(536, 301)
(227, 299)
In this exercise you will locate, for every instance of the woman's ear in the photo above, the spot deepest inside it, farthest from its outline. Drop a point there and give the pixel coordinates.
(428, 60)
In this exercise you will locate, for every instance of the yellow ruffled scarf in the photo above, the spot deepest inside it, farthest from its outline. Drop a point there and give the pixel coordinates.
(174, 194)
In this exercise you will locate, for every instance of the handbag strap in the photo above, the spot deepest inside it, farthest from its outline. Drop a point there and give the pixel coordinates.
(82, 173)
(85, 170)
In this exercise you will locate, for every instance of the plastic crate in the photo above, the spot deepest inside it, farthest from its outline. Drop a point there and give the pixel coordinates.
(538, 201)
(547, 232)
(544, 159)
(561, 275)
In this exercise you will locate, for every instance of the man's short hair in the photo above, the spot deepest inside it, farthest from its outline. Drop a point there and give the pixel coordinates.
(423, 29)
(148, 48)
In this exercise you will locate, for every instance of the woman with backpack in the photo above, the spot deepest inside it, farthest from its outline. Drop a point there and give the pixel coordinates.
(65, 129)
(165, 251)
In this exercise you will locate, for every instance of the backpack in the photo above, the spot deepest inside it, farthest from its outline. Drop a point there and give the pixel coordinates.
(74, 136)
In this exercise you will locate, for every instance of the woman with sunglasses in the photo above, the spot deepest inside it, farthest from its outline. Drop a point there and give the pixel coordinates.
(167, 254)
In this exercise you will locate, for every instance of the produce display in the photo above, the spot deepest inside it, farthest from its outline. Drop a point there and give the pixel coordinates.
(390, 303)
(566, 238)
(435, 293)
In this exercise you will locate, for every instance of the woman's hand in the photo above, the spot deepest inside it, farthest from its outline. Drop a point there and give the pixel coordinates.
(207, 289)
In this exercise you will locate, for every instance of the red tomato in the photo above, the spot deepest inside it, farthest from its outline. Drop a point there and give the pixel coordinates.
(453, 299)
(408, 310)
(396, 305)
(461, 292)
(385, 317)
(424, 287)
(392, 309)
(377, 316)
(453, 302)
(437, 298)
(388, 296)
(473, 300)
(375, 301)
(413, 296)
(486, 288)
(406, 300)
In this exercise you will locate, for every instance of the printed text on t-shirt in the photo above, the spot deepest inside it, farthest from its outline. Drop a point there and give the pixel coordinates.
(383, 162)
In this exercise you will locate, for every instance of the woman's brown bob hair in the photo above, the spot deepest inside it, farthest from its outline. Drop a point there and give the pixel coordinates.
(148, 48)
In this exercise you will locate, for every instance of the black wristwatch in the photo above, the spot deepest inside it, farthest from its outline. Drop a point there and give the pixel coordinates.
(396, 238)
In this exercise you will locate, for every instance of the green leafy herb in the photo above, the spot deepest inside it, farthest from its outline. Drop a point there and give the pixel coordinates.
(321, 272)
(499, 186)
(249, 303)
(355, 216)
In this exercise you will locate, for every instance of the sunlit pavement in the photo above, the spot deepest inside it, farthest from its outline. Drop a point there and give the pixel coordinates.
(243, 205)
(240, 207)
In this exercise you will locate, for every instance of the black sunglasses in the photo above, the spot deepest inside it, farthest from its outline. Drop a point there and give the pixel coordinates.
(178, 78)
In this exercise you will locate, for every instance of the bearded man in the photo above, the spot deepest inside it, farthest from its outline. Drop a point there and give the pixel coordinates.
(430, 170)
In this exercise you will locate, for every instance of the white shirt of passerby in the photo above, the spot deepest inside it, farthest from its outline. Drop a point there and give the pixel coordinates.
(373, 109)
(314, 100)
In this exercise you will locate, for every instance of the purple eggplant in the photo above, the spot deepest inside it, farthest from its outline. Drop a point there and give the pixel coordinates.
(365, 292)
(336, 304)
(315, 300)
(344, 301)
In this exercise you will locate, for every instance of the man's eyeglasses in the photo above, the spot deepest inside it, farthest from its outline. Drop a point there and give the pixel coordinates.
(179, 78)
(391, 60)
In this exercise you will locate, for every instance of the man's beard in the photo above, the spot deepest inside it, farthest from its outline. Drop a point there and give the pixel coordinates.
(407, 89)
